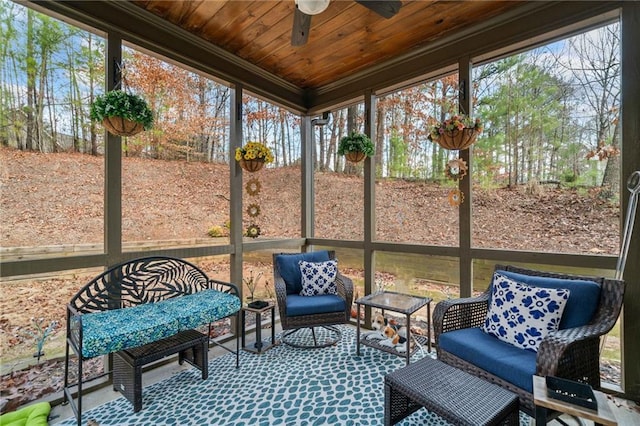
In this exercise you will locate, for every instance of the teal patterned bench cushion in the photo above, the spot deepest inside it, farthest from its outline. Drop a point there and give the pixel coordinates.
(118, 329)
(201, 308)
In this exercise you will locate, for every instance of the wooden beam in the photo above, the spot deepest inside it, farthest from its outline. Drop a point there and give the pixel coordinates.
(369, 208)
(465, 217)
(307, 228)
(630, 91)
(39, 266)
(113, 161)
(235, 186)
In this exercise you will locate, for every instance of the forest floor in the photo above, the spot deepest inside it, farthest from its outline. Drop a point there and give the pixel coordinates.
(52, 199)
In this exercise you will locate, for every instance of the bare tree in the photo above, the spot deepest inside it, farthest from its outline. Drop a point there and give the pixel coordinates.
(597, 69)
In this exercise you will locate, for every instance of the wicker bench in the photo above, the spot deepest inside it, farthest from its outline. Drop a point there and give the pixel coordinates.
(454, 395)
(190, 345)
(135, 304)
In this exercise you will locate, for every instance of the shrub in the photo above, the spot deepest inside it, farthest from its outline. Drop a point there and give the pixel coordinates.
(216, 231)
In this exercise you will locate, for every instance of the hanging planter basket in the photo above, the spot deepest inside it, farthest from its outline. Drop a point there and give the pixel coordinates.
(121, 126)
(355, 147)
(253, 156)
(252, 165)
(458, 139)
(122, 113)
(355, 156)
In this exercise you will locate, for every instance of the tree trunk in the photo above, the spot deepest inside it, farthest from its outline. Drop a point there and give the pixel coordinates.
(379, 139)
(283, 136)
(31, 82)
(203, 137)
(40, 101)
(92, 75)
(51, 101)
(331, 148)
(322, 149)
(349, 167)
(338, 165)
(611, 179)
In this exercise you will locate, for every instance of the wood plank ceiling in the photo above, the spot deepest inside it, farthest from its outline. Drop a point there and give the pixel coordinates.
(344, 39)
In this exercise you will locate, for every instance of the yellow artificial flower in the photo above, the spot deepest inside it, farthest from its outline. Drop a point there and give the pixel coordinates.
(254, 150)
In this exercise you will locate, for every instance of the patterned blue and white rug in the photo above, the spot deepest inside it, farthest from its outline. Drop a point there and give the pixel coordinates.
(282, 386)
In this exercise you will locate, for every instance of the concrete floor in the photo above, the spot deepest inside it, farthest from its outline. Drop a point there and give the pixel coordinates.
(627, 412)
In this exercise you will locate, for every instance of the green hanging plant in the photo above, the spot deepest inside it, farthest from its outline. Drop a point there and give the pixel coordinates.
(356, 146)
(122, 113)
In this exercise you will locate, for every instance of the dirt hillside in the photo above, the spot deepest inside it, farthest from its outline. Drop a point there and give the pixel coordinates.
(51, 199)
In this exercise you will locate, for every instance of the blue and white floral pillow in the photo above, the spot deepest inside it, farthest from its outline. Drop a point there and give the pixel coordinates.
(318, 277)
(523, 315)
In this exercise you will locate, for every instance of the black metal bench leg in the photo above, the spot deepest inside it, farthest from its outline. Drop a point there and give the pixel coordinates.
(79, 405)
(65, 400)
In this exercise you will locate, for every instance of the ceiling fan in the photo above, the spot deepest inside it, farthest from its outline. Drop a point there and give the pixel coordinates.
(306, 8)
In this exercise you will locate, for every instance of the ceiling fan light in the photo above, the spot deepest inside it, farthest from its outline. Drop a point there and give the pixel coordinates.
(312, 7)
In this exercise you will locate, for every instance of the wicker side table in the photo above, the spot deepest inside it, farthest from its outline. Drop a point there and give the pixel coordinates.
(190, 345)
(454, 395)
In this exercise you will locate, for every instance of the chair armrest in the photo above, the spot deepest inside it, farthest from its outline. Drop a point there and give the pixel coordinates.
(74, 329)
(456, 314)
(281, 295)
(224, 287)
(572, 353)
(345, 290)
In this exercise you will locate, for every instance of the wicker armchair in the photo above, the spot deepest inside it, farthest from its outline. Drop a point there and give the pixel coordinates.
(317, 311)
(571, 353)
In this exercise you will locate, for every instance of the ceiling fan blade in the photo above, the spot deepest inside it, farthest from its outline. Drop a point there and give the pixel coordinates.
(386, 9)
(301, 27)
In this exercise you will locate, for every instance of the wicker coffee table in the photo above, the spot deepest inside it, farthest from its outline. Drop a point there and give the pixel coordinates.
(454, 395)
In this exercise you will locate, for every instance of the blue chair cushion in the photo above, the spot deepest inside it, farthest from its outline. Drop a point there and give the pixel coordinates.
(111, 331)
(583, 300)
(313, 305)
(485, 351)
(289, 267)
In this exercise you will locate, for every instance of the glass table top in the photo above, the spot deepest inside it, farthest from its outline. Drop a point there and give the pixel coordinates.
(397, 302)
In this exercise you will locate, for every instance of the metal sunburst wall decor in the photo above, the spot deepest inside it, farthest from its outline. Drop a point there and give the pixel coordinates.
(253, 188)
